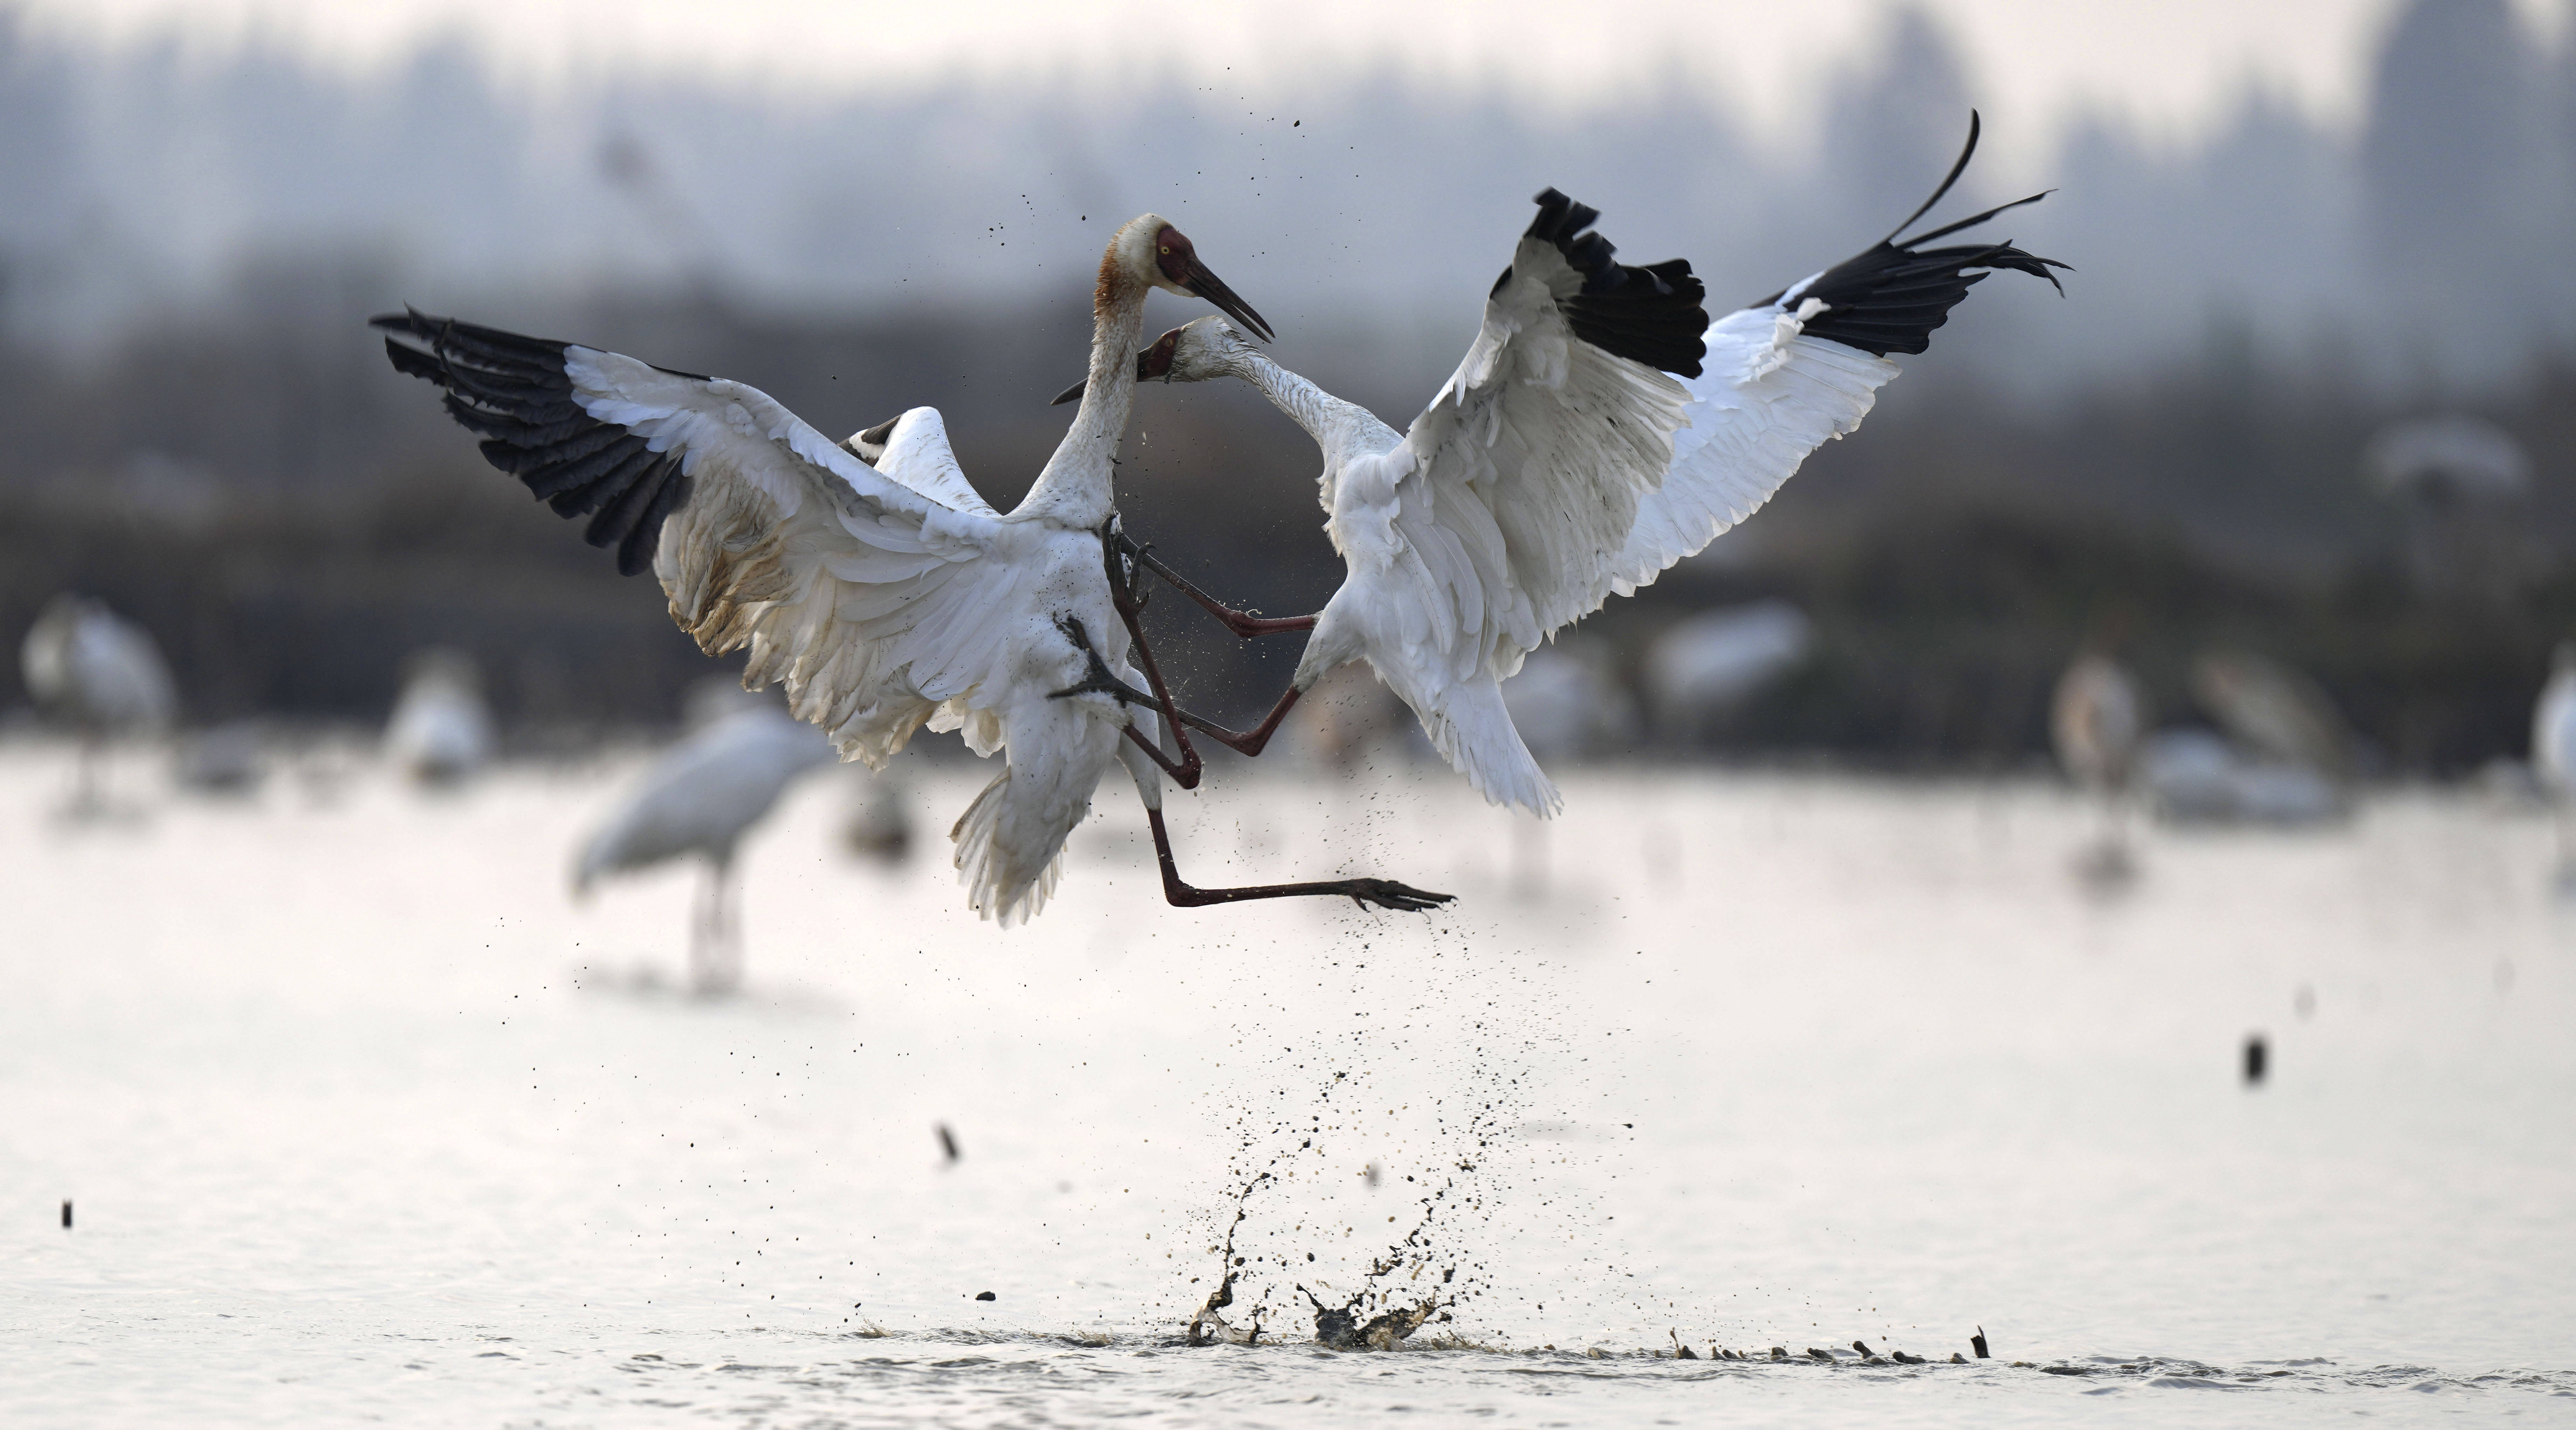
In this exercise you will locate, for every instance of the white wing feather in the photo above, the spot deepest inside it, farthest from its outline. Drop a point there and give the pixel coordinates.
(1767, 396)
(865, 593)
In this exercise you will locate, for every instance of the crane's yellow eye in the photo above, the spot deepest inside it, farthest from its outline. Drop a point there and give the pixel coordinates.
(1167, 248)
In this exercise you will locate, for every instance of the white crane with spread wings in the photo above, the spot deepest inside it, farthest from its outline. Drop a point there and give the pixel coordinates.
(1561, 465)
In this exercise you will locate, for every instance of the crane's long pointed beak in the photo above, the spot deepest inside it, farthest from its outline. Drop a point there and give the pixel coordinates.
(1075, 391)
(1207, 285)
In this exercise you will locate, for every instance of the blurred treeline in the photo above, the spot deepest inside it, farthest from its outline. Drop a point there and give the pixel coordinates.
(200, 430)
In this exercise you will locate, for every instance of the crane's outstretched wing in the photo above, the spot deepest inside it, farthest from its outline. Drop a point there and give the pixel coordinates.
(1800, 368)
(861, 588)
(1526, 471)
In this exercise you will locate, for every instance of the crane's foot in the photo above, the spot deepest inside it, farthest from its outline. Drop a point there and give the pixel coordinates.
(1099, 679)
(1367, 893)
(1388, 894)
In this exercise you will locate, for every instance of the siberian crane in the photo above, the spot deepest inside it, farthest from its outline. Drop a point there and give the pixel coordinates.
(1600, 429)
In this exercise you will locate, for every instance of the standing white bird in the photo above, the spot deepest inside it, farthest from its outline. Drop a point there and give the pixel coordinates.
(870, 576)
(440, 731)
(2553, 750)
(100, 674)
(700, 799)
(1559, 467)
(2095, 720)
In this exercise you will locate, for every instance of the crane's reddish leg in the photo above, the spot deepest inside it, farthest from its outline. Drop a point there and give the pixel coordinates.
(1251, 742)
(1126, 563)
(1127, 597)
(1381, 893)
(1242, 623)
(1101, 680)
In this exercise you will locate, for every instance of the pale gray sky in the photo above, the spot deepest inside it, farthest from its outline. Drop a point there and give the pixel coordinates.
(2167, 65)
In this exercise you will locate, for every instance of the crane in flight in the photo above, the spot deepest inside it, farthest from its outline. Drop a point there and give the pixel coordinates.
(1600, 429)
(870, 576)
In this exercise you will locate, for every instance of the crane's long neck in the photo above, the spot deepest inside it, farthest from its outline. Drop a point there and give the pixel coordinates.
(1336, 425)
(1078, 487)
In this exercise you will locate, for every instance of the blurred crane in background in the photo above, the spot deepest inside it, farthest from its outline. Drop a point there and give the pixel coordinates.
(2462, 485)
(2553, 752)
(2095, 719)
(1702, 666)
(440, 732)
(878, 827)
(700, 799)
(101, 676)
(2287, 759)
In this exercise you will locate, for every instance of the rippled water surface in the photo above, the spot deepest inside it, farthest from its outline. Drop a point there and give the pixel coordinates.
(363, 1119)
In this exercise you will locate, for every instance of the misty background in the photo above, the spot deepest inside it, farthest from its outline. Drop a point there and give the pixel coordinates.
(201, 430)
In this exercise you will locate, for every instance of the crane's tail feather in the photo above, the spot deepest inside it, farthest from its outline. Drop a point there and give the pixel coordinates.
(1474, 733)
(1890, 297)
(1003, 882)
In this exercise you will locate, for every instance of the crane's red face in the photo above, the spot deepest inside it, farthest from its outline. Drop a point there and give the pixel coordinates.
(1178, 262)
(1156, 361)
(1173, 253)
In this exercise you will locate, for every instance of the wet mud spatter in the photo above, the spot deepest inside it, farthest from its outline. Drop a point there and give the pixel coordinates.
(1414, 1281)
(1341, 1327)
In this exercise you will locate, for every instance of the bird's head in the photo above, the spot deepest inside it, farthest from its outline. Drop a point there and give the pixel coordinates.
(1194, 352)
(1150, 252)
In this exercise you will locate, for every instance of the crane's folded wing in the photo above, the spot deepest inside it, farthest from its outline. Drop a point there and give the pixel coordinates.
(867, 596)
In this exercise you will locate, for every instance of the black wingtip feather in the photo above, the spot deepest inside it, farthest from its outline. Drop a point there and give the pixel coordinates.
(1890, 298)
(512, 391)
(1651, 314)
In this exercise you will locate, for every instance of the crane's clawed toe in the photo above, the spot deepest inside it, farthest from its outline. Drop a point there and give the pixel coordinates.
(1126, 563)
(1099, 679)
(1388, 894)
